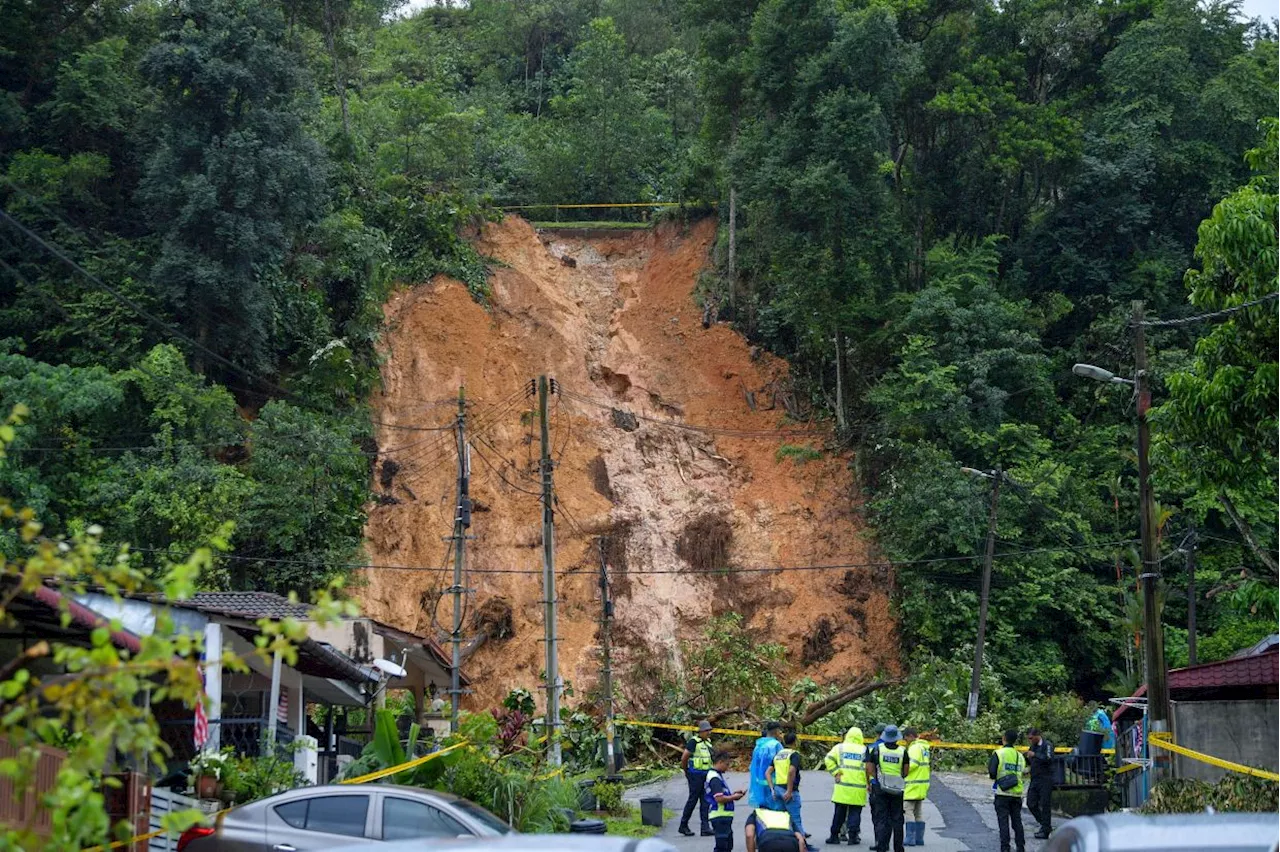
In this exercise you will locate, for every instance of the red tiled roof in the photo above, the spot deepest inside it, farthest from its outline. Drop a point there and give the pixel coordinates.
(1259, 670)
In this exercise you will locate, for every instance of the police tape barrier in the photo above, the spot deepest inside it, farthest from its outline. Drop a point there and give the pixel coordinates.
(1164, 740)
(824, 738)
(616, 204)
(371, 776)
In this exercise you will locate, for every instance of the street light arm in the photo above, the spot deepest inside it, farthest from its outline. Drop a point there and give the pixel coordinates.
(1097, 374)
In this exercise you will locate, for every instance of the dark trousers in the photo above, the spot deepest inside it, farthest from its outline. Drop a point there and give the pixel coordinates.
(1040, 802)
(723, 827)
(887, 820)
(697, 781)
(1009, 814)
(847, 816)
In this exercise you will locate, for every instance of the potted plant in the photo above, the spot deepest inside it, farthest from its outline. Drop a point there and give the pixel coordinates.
(207, 771)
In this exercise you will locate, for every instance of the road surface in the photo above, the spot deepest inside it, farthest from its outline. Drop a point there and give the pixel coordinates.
(959, 816)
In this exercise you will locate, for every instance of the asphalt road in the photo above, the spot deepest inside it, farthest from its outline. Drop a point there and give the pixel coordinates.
(959, 815)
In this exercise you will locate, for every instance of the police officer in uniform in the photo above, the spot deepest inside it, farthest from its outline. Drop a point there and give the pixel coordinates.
(918, 760)
(1006, 766)
(769, 830)
(1040, 790)
(887, 771)
(695, 760)
(847, 763)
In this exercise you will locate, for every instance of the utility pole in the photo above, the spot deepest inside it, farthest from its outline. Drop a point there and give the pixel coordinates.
(1153, 635)
(606, 620)
(461, 522)
(1191, 595)
(996, 476)
(549, 580)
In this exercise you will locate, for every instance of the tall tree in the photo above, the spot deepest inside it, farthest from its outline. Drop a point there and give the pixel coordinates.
(233, 176)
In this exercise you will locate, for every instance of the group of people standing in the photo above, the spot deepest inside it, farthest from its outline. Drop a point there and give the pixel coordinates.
(892, 774)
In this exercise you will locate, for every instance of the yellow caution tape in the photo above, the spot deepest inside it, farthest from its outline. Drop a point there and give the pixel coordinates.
(142, 837)
(1164, 740)
(619, 204)
(408, 764)
(1128, 767)
(823, 738)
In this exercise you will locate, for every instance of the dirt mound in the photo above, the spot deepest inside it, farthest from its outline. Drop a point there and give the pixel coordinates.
(612, 318)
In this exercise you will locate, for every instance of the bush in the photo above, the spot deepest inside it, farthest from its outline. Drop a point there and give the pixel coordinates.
(1240, 793)
(609, 798)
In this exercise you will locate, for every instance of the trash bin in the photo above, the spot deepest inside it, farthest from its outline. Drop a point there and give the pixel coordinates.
(1090, 744)
(651, 812)
(587, 795)
(587, 826)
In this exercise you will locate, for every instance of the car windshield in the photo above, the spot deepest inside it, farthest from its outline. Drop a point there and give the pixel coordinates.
(482, 816)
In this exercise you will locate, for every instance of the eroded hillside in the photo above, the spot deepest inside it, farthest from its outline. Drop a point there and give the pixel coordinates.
(612, 318)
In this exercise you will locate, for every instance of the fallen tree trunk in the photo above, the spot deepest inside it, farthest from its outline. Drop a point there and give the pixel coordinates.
(841, 698)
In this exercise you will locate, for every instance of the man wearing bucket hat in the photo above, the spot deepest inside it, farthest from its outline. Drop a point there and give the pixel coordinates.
(887, 769)
(696, 762)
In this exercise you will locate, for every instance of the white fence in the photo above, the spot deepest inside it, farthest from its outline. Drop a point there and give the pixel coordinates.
(163, 802)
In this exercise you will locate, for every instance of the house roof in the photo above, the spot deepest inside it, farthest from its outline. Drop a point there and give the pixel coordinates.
(53, 603)
(430, 645)
(252, 605)
(1258, 672)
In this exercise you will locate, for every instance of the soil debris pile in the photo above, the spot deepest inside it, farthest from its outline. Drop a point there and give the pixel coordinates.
(666, 439)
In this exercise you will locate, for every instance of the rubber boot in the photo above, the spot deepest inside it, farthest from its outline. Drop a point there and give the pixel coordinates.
(919, 833)
(909, 834)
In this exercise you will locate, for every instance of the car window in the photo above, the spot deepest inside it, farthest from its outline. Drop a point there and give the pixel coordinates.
(405, 819)
(480, 815)
(294, 813)
(331, 814)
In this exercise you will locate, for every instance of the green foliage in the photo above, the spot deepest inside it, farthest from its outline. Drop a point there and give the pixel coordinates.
(1233, 793)
(728, 667)
(609, 798)
(253, 778)
(798, 454)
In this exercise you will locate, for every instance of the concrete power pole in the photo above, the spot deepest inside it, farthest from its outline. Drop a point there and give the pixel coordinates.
(549, 580)
(1153, 635)
(1191, 596)
(606, 652)
(975, 680)
(461, 523)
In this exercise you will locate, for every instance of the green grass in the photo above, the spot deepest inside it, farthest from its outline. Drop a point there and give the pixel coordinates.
(630, 825)
(593, 226)
(798, 453)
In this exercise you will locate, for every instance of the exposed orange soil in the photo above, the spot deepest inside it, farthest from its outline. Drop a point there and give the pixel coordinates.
(611, 318)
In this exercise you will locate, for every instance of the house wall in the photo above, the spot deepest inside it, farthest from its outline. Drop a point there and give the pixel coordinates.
(1240, 731)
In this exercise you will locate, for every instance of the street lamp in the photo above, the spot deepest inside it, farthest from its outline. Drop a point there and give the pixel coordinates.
(1153, 638)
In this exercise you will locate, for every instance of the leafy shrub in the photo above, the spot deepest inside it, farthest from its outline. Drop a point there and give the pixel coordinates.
(609, 798)
(1242, 793)
(254, 778)
(797, 453)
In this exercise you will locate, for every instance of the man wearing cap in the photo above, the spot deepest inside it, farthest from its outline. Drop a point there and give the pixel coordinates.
(767, 748)
(695, 760)
(1040, 790)
(887, 768)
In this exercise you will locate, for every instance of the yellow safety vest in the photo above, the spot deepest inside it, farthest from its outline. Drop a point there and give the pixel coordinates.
(1010, 763)
(918, 771)
(774, 820)
(782, 767)
(890, 762)
(701, 760)
(851, 788)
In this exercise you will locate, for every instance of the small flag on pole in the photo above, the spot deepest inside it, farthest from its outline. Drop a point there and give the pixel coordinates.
(201, 728)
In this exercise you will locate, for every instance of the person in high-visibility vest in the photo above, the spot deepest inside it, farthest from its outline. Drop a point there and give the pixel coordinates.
(1006, 767)
(720, 799)
(784, 777)
(769, 830)
(917, 787)
(695, 760)
(887, 771)
(847, 763)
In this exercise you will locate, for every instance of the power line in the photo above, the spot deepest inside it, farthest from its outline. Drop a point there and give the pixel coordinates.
(500, 475)
(1212, 315)
(689, 427)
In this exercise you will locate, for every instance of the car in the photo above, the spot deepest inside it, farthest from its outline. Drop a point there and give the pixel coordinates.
(1212, 832)
(532, 843)
(327, 817)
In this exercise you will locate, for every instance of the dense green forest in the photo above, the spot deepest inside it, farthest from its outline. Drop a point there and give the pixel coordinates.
(938, 207)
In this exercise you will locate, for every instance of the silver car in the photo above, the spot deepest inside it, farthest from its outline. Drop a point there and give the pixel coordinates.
(340, 815)
(1174, 833)
(538, 843)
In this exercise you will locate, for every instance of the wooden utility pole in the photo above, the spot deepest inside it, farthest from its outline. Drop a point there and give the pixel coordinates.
(461, 522)
(733, 248)
(549, 580)
(975, 678)
(1153, 635)
(1191, 596)
(606, 654)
